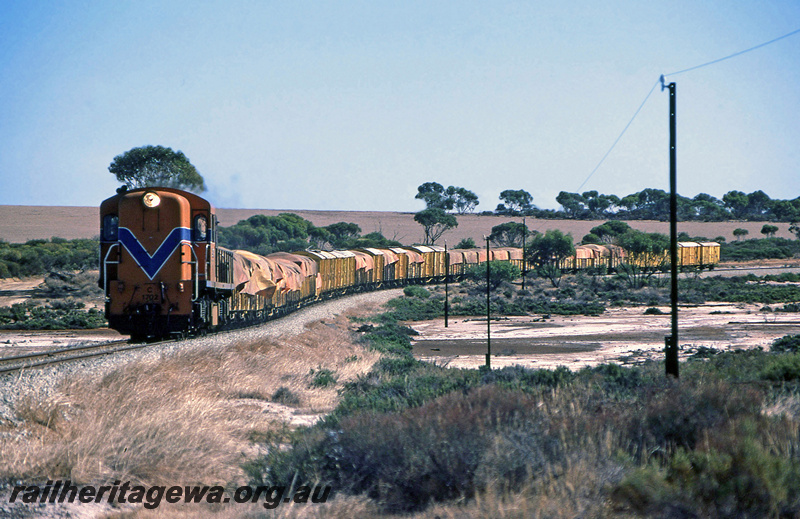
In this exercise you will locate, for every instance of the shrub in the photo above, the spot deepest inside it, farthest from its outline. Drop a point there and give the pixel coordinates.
(59, 315)
(414, 308)
(782, 368)
(431, 453)
(390, 338)
(37, 257)
(499, 272)
(787, 343)
(416, 291)
(767, 248)
(734, 476)
(285, 396)
(322, 377)
(678, 415)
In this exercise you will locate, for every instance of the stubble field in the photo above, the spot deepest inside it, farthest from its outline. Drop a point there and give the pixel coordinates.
(22, 223)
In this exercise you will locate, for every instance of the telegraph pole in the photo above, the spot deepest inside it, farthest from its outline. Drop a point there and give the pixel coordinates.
(488, 313)
(671, 350)
(524, 233)
(446, 283)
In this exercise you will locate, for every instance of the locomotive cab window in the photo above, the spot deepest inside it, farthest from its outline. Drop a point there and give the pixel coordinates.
(200, 228)
(110, 227)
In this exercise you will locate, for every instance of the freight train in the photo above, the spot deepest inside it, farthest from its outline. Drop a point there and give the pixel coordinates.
(163, 273)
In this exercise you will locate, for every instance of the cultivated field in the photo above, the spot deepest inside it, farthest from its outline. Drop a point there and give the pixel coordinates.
(22, 223)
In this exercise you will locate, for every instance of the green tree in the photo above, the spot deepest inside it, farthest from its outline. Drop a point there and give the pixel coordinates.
(740, 233)
(610, 231)
(647, 204)
(264, 234)
(786, 210)
(547, 251)
(708, 208)
(463, 200)
(433, 194)
(736, 202)
(572, 203)
(769, 230)
(342, 233)
(156, 166)
(435, 222)
(598, 204)
(515, 201)
(795, 229)
(591, 238)
(466, 243)
(645, 255)
(758, 205)
(436, 196)
(509, 234)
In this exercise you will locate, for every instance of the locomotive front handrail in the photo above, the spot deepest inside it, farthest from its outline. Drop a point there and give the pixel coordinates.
(106, 262)
(196, 287)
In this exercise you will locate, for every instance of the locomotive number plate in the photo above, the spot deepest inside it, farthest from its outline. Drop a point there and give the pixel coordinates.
(150, 294)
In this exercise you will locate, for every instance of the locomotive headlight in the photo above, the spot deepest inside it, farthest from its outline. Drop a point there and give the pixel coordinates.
(151, 200)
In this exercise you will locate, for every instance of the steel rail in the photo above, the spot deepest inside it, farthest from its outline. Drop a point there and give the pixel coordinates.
(62, 355)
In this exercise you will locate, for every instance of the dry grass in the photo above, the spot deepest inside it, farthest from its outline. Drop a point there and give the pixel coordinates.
(189, 418)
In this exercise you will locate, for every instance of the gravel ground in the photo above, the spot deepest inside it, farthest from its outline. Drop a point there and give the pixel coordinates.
(45, 380)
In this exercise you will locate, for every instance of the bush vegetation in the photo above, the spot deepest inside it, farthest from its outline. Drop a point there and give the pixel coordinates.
(37, 257)
(755, 249)
(499, 272)
(720, 442)
(57, 315)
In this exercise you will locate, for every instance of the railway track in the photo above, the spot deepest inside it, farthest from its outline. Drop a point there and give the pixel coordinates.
(50, 357)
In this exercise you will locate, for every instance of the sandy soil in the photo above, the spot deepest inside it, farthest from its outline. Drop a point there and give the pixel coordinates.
(21, 223)
(13, 291)
(622, 335)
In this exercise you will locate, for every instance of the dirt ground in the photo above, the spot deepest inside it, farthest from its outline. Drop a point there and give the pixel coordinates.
(621, 335)
(13, 291)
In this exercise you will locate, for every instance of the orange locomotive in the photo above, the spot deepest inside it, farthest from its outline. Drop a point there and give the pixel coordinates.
(160, 269)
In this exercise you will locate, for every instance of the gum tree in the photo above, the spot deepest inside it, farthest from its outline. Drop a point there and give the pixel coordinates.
(435, 222)
(547, 251)
(156, 166)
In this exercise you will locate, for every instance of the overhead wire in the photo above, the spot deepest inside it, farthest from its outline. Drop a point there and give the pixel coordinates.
(620, 135)
(735, 54)
(660, 80)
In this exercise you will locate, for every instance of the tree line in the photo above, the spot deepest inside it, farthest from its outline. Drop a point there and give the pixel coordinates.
(647, 204)
(653, 204)
(288, 232)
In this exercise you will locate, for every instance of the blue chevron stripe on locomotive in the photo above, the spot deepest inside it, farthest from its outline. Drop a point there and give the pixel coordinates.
(152, 264)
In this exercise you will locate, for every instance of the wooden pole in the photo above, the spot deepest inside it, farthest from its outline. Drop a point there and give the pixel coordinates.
(671, 353)
(446, 284)
(488, 313)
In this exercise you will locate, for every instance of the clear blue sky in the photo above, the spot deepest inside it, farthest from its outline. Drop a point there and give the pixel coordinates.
(352, 105)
